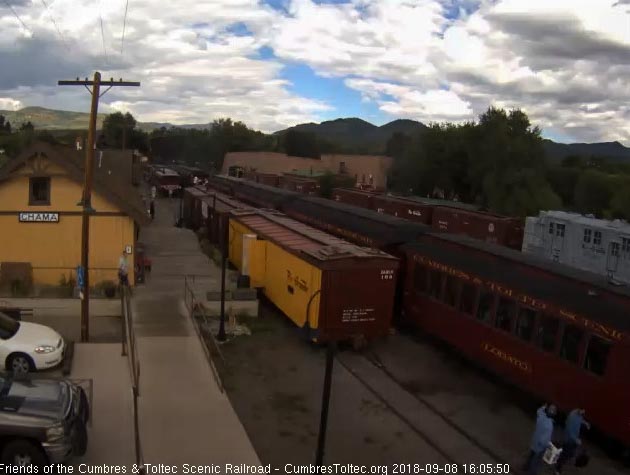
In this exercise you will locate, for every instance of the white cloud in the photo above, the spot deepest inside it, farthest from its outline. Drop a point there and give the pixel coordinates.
(565, 62)
(7, 103)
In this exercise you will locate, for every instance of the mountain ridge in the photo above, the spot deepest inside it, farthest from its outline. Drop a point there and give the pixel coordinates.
(353, 132)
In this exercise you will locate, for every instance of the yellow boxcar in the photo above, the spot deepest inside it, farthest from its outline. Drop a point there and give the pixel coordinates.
(331, 288)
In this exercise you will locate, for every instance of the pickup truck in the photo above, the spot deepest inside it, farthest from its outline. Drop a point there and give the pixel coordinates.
(42, 421)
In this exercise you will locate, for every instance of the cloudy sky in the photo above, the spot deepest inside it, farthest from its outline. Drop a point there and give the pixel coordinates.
(275, 63)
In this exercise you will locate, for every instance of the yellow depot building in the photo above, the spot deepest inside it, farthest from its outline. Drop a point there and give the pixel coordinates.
(40, 219)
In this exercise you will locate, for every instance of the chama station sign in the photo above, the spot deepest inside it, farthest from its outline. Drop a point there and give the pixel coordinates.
(39, 217)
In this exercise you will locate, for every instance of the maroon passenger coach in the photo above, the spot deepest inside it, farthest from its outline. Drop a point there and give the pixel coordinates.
(559, 333)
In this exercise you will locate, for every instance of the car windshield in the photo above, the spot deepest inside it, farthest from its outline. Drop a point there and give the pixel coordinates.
(8, 326)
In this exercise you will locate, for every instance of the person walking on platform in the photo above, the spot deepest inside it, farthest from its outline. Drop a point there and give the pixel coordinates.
(572, 427)
(541, 438)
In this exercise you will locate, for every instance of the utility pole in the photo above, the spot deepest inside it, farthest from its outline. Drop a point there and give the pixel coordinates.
(86, 200)
(323, 422)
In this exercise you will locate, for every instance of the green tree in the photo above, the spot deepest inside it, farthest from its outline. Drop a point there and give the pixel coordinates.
(119, 131)
(593, 192)
(301, 144)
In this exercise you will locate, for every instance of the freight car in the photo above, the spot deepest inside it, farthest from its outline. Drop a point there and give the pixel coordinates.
(317, 280)
(557, 332)
(354, 196)
(443, 215)
(485, 226)
(166, 180)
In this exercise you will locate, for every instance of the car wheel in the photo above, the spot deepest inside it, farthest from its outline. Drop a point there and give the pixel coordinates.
(79, 438)
(19, 363)
(23, 453)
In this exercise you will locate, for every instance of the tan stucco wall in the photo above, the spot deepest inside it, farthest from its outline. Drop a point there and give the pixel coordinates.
(54, 249)
(270, 162)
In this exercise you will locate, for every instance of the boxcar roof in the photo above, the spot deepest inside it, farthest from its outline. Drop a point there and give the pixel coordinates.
(566, 292)
(300, 238)
(385, 229)
(436, 202)
(223, 202)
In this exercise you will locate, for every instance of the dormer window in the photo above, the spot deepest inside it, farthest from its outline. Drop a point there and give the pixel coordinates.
(39, 191)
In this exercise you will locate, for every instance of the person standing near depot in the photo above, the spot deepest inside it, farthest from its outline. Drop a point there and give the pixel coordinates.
(541, 438)
(572, 441)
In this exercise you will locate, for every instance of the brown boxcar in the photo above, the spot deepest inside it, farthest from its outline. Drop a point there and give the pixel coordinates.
(191, 206)
(479, 225)
(557, 332)
(218, 207)
(300, 184)
(353, 196)
(269, 179)
(403, 208)
(329, 287)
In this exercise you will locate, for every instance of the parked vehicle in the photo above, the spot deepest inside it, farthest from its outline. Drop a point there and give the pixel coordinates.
(42, 421)
(26, 346)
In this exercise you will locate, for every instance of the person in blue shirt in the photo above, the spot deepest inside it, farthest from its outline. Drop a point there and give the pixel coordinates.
(572, 427)
(541, 438)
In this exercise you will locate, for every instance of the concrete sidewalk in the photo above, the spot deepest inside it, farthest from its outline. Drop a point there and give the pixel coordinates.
(184, 417)
(110, 432)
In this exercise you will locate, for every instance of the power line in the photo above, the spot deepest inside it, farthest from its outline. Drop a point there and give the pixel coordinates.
(122, 43)
(52, 18)
(103, 37)
(18, 17)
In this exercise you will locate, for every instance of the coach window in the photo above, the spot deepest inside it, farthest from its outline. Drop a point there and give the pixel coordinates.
(597, 239)
(506, 310)
(560, 230)
(525, 323)
(547, 333)
(625, 247)
(451, 290)
(597, 355)
(435, 284)
(468, 299)
(484, 309)
(551, 228)
(571, 339)
(420, 278)
(587, 235)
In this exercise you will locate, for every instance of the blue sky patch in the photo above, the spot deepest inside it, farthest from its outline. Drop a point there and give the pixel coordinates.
(345, 102)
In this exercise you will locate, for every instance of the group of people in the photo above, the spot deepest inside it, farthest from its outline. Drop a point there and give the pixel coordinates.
(543, 433)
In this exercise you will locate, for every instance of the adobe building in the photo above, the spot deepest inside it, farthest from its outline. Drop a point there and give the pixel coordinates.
(367, 170)
(41, 220)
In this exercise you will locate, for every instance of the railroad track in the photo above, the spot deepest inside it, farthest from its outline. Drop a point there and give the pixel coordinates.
(489, 455)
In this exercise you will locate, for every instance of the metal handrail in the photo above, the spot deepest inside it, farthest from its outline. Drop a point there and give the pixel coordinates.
(189, 291)
(130, 350)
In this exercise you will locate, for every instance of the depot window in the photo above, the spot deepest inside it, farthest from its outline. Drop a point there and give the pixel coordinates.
(525, 323)
(468, 299)
(506, 309)
(39, 191)
(571, 339)
(547, 333)
(451, 290)
(435, 284)
(484, 310)
(597, 355)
